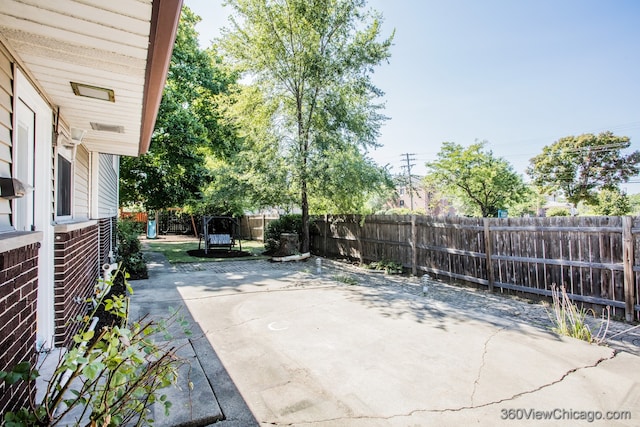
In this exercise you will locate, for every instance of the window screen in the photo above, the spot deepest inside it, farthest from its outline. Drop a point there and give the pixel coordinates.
(63, 201)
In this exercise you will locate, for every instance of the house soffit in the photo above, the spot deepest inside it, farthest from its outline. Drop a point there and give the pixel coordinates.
(101, 44)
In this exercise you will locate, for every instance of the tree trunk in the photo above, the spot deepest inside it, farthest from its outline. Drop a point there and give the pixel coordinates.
(304, 247)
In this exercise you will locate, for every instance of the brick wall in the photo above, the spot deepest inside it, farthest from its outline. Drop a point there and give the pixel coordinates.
(18, 302)
(76, 271)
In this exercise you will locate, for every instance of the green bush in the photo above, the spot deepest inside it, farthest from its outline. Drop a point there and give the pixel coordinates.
(284, 224)
(402, 211)
(111, 376)
(558, 212)
(129, 253)
(389, 267)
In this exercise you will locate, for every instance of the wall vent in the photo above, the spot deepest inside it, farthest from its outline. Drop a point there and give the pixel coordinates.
(107, 128)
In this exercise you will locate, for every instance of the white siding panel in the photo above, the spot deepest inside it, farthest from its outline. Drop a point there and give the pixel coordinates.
(107, 187)
(81, 184)
(6, 114)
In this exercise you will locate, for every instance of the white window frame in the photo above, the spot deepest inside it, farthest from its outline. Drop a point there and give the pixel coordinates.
(68, 155)
(22, 210)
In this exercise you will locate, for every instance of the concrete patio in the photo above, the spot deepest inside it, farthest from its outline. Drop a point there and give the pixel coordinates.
(281, 344)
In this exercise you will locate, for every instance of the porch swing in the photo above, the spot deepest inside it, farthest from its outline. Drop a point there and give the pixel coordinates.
(219, 232)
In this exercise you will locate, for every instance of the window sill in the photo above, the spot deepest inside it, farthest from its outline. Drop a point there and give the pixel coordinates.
(72, 225)
(19, 239)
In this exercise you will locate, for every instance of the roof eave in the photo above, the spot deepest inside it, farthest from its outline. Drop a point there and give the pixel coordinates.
(165, 16)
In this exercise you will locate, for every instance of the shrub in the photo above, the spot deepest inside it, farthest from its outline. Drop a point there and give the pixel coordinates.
(129, 253)
(113, 374)
(284, 224)
(389, 267)
(558, 212)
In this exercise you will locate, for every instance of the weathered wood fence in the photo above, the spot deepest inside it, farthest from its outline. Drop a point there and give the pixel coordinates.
(597, 259)
(252, 226)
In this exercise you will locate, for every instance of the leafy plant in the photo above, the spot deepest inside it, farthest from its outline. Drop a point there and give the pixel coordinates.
(582, 165)
(284, 224)
(569, 320)
(346, 279)
(558, 212)
(482, 182)
(612, 203)
(113, 375)
(129, 253)
(389, 267)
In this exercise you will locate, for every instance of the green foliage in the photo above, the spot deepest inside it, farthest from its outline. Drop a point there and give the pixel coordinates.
(255, 175)
(346, 279)
(483, 183)
(634, 202)
(528, 207)
(284, 224)
(188, 127)
(312, 62)
(389, 267)
(558, 212)
(401, 211)
(581, 165)
(344, 181)
(612, 203)
(177, 252)
(112, 376)
(570, 320)
(129, 253)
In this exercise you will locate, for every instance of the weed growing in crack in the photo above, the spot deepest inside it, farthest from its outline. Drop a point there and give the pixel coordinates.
(569, 320)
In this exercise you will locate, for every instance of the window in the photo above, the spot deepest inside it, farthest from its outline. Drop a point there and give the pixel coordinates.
(401, 203)
(63, 198)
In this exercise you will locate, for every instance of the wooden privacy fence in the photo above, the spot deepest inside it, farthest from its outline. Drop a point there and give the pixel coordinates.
(597, 259)
(252, 226)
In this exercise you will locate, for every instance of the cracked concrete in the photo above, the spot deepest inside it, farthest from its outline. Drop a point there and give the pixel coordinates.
(484, 355)
(306, 350)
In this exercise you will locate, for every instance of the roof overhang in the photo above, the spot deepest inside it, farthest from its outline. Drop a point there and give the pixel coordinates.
(102, 64)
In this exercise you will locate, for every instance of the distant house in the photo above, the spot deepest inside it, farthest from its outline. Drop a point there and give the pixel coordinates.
(414, 196)
(80, 86)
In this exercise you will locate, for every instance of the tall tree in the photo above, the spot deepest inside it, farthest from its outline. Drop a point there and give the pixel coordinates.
(188, 127)
(612, 203)
(254, 175)
(483, 183)
(582, 165)
(314, 60)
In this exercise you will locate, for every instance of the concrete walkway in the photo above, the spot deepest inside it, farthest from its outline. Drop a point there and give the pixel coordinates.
(280, 344)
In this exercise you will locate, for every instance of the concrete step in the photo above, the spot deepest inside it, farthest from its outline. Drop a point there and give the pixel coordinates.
(193, 402)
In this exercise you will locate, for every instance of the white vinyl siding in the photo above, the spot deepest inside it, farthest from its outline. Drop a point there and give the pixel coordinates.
(81, 184)
(6, 113)
(107, 185)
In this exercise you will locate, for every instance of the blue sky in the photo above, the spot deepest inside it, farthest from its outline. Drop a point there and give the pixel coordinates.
(518, 73)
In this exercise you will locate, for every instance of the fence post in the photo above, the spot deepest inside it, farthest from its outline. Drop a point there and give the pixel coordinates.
(357, 220)
(414, 249)
(487, 250)
(264, 226)
(628, 259)
(326, 231)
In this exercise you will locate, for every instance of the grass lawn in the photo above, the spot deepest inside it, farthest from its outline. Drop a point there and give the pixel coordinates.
(176, 252)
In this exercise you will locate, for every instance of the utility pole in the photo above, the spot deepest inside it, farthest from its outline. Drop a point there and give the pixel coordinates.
(409, 157)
